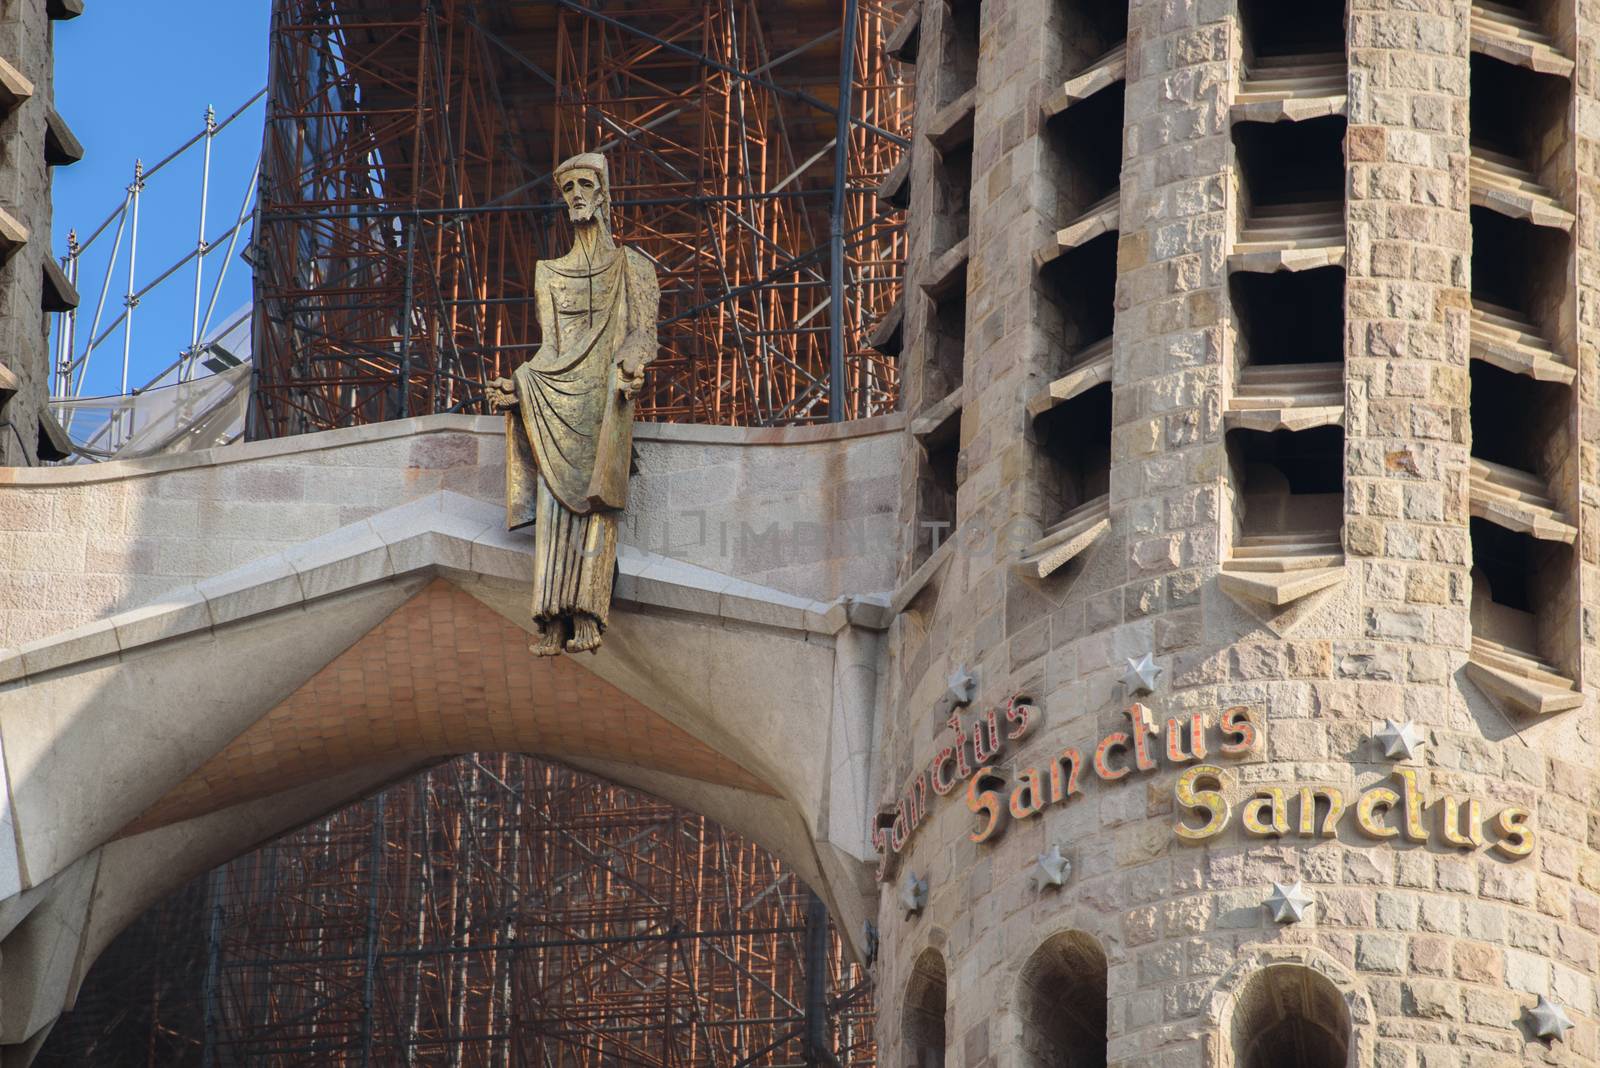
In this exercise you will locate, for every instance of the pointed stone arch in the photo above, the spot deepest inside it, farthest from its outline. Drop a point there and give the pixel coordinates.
(1061, 1005)
(925, 1013)
(1288, 1007)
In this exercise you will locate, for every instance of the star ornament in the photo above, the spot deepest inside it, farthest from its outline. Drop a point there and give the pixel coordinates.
(913, 893)
(1289, 904)
(1400, 741)
(963, 685)
(869, 940)
(1142, 675)
(1052, 869)
(1550, 1021)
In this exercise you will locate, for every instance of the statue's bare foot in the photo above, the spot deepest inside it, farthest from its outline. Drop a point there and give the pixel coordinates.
(549, 643)
(586, 634)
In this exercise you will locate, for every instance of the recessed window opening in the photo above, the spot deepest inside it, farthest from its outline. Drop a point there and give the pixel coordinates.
(1505, 560)
(1289, 317)
(1515, 419)
(1521, 269)
(1291, 163)
(960, 50)
(1083, 158)
(1080, 292)
(936, 488)
(1084, 31)
(1519, 114)
(946, 346)
(1062, 1001)
(1276, 28)
(1288, 1016)
(1076, 439)
(952, 185)
(1290, 481)
(1543, 15)
(922, 1022)
(1522, 592)
(1084, 152)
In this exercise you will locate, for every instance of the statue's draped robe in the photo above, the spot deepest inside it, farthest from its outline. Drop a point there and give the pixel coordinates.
(569, 442)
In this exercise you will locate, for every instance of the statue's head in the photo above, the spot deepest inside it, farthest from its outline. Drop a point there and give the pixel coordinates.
(585, 185)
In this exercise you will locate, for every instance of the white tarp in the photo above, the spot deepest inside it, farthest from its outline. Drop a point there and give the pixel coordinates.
(169, 415)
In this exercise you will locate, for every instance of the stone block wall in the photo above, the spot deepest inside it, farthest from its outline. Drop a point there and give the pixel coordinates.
(1414, 954)
(27, 44)
(806, 510)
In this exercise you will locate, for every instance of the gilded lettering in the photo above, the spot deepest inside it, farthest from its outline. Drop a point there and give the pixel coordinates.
(986, 737)
(1466, 834)
(986, 802)
(1239, 730)
(1027, 797)
(1411, 792)
(1266, 815)
(1074, 761)
(1197, 739)
(1143, 727)
(942, 785)
(963, 769)
(1375, 800)
(1516, 836)
(1208, 802)
(1020, 713)
(1102, 754)
(1309, 795)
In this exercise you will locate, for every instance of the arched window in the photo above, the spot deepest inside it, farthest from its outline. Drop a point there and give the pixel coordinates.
(1289, 1016)
(922, 1020)
(1063, 1004)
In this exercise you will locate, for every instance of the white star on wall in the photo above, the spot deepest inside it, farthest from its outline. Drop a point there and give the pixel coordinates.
(1400, 740)
(913, 893)
(1289, 904)
(1053, 869)
(1142, 675)
(963, 685)
(1550, 1021)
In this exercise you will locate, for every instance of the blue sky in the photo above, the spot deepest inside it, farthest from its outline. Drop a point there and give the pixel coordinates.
(133, 80)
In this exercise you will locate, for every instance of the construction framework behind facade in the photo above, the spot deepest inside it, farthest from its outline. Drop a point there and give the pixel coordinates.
(405, 198)
(498, 912)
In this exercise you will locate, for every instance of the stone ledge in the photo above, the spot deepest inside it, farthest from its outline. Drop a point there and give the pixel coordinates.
(1102, 217)
(1271, 260)
(422, 425)
(951, 127)
(921, 577)
(1493, 36)
(1286, 417)
(1277, 589)
(1095, 371)
(1520, 684)
(906, 39)
(1066, 540)
(1103, 73)
(441, 533)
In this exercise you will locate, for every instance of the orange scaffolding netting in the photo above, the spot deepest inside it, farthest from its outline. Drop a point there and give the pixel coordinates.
(496, 912)
(405, 199)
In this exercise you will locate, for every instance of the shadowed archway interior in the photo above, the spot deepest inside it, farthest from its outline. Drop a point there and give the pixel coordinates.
(1062, 998)
(922, 1020)
(1289, 1016)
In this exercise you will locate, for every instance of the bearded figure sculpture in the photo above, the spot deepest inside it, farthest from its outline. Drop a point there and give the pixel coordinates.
(569, 413)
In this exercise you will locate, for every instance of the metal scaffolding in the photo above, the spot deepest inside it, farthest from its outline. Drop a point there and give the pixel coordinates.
(405, 199)
(496, 911)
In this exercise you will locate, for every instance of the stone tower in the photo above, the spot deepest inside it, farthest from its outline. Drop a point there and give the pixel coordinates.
(36, 140)
(1259, 339)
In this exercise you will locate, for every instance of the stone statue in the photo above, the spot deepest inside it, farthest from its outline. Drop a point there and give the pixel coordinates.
(569, 412)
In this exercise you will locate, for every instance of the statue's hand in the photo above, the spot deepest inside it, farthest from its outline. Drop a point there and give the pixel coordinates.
(502, 395)
(630, 373)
